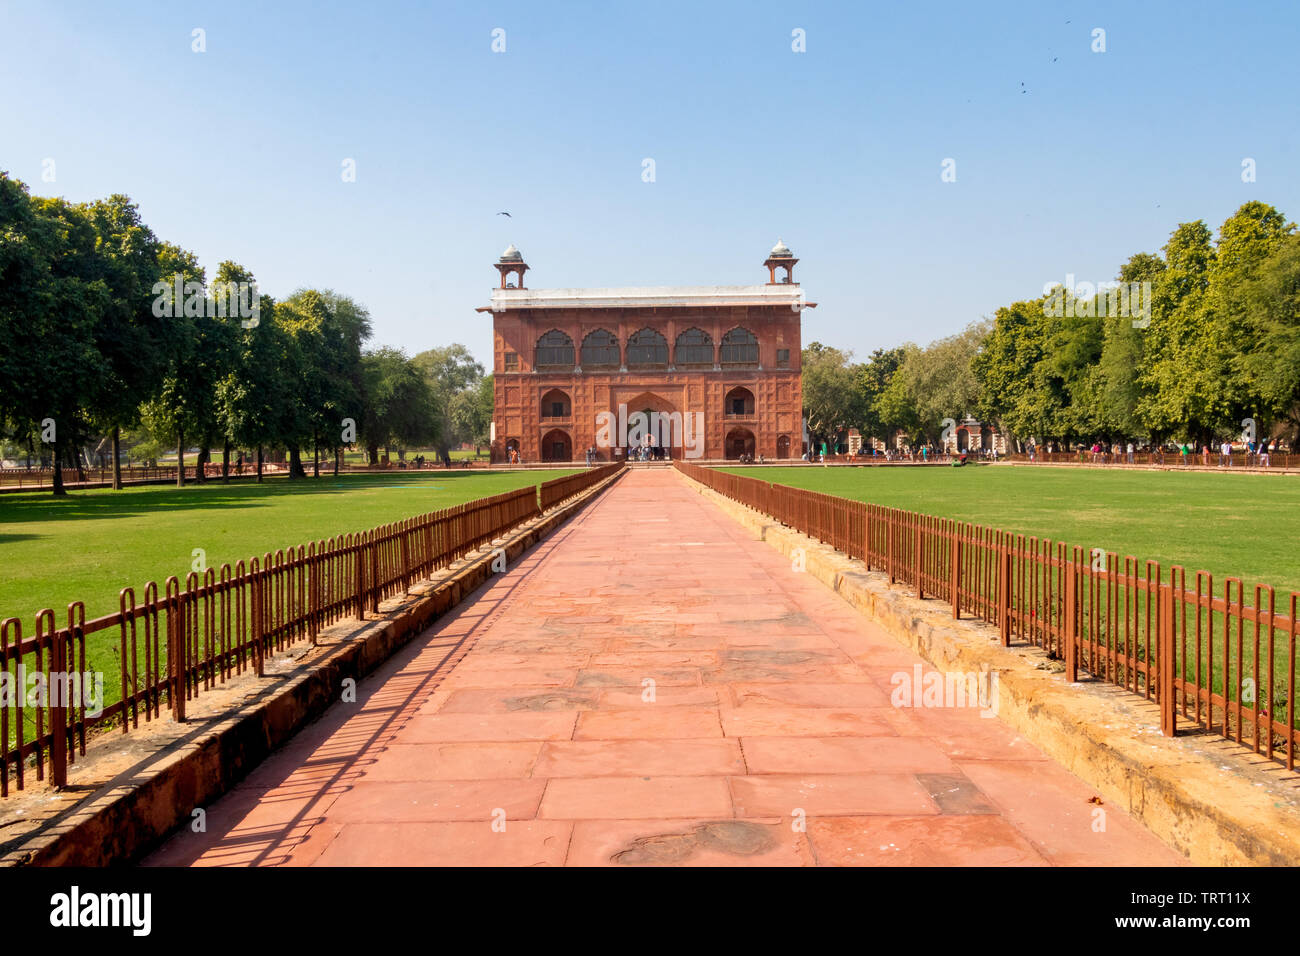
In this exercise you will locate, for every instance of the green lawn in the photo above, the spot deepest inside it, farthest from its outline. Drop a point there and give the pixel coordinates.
(91, 544)
(1228, 524)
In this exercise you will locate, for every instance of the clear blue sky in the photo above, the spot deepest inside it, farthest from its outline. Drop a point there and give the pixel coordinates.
(236, 152)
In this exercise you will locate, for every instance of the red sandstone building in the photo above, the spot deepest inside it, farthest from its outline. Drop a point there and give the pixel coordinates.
(726, 357)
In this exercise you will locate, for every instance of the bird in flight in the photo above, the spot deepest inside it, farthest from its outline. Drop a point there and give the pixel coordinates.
(505, 214)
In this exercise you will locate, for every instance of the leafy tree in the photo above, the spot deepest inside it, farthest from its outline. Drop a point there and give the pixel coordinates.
(873, 378)
(327, 331)
(130, 339)
(50, 299)
(471, 412)
(831, 400)
(181, 403)
(257, 387)
(935, 383)
(449, 371)
(399, 407)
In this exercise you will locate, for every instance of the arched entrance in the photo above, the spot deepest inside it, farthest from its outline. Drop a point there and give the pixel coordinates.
(963, 440)
(652, 415)
(783, 446)
(557, 446)
(556, 404)
(739, 403)
(512, 449)
(740, 441)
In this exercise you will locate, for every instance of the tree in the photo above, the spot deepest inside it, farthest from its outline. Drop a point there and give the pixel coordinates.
(399, 406)
(449, 370)
(471, 412)
(257, 388)
(327, 331)
(935, 383)
(130, 338)
(49, 303)
(185, 395)
(1116, 379)
(1268, 310)
(831, 400)
(873, 378)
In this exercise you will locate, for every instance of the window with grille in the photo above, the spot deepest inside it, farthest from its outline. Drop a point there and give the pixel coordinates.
(554, 350)
(740, 401)
(739, 347)
(647, 348)
(782, 358)
(600, 350)
(512, 362)
(694, 348)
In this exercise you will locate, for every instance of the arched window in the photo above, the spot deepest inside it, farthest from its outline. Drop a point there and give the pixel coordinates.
(694, 349)
(556, 404)
(600, 350)
(647, 349)
(739, 403)
(554, 351)
(739, 347)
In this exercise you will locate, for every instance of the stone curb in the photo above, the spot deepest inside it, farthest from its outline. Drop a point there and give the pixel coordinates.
(1209, 798)
(190, 765)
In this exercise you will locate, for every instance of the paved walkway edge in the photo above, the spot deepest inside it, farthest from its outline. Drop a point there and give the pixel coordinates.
(1206, 797)
(123, 820)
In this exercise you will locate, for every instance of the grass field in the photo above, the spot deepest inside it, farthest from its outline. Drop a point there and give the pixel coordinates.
(1242, 525)
(91, 544)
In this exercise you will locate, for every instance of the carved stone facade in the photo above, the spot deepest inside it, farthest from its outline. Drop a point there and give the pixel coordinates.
(727, 356)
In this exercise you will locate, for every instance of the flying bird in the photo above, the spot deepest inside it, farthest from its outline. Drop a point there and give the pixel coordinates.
(506, 214)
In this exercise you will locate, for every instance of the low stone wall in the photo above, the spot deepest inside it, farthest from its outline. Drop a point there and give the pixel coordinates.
(131, 790)
(1207, 797)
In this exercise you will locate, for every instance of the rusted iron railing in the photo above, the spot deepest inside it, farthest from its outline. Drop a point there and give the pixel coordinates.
(1222, 658)
(179, 641)
(1274, 461)
(551, 493)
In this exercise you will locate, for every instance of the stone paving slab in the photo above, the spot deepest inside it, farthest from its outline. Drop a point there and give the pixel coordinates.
(648, 692)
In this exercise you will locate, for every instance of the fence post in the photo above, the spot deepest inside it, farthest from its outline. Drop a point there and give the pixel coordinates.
(918, 557)
(889, 546)
(374, 575)
(1004, 594)
(1168, 697)
(59, 710)
(176, 653)
(954, 574)
(360, 576)
(406, 561)
(259, 617)
(1071, 625)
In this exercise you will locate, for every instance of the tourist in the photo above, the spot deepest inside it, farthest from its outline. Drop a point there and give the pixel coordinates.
(1129, 449)
(1226, 454)
(1263, 453)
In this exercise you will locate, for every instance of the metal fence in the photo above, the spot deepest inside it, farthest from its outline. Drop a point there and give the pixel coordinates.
(1222, 657)
(551, 493)
(1279, 461)
(175, 642)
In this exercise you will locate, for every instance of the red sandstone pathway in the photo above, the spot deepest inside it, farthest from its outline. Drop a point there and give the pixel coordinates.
(523, 729)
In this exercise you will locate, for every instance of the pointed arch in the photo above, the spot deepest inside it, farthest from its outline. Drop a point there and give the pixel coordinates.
(554, 350)
(739, 348)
